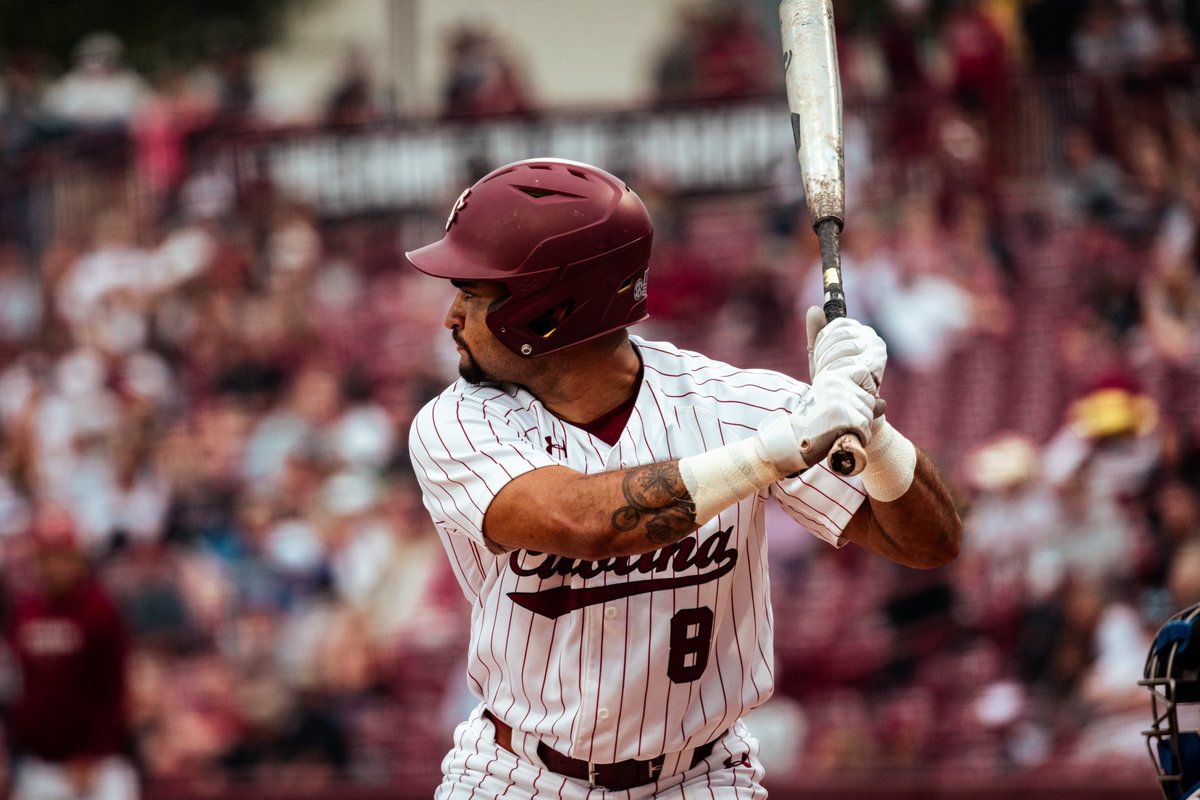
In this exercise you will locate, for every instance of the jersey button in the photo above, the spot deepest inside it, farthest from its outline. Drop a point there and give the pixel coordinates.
(611, 612)
(602, 713)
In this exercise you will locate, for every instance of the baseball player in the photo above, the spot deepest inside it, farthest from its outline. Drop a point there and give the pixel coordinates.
(601, 499)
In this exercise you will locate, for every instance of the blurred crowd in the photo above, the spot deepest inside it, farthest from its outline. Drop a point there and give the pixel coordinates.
(204, 388)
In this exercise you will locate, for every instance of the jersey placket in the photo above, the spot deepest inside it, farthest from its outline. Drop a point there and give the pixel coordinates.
(591, 667)
(596, 622)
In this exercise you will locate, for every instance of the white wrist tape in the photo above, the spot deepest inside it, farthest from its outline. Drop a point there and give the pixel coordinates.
(721, 477)
(891, 464)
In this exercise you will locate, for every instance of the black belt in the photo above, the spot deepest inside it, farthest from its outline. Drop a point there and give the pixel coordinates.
(618, 777)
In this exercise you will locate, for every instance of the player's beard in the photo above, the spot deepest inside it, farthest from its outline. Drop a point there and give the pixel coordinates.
(469, 368)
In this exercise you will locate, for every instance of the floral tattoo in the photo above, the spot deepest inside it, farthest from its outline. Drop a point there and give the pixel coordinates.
(658, 500)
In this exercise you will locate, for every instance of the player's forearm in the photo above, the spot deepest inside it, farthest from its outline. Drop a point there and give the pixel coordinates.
(621, 512)
(637, 510)
(921, 528)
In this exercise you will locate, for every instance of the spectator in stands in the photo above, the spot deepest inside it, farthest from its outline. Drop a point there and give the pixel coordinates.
(732, 56)
(22, 88)
(287, 668)
(1170, 301)
(717, 53)
(483, 78)
(68, 724)
(21, 307)
(1009, 519)
(693, 288)
(352, 101)
(162, 125)
(913, 87)
(100, 91)
(1172, 512)
(962, 161)
(1150, 192)
(1110, 441)
(1097, 44)
(1170, 307)
(922, 312)
(237, 91)
(675, 69)
(293, 429)
(981, 73)
(103, 294)
(1108, 690)
(1096, 183)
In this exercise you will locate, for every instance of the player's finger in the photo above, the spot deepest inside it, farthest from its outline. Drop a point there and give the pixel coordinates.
(854, 366)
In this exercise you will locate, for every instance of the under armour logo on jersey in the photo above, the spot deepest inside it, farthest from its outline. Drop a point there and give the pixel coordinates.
(552, 445)
(459, 205)
(744, 761)
(806, 403)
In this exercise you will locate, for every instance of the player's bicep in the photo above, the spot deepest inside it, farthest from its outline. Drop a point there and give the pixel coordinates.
(531, 512)
(463, 459)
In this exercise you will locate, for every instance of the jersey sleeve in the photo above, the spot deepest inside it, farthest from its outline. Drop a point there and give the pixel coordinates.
(820, 500)
(464, 451)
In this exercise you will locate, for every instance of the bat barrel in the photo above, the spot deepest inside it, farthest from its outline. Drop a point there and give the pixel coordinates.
(815, 99)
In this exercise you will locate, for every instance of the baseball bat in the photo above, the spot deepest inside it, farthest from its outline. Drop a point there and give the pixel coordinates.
(814, 92)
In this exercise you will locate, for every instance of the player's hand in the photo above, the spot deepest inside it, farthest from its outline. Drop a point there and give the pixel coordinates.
(844, 344)
(836, 404)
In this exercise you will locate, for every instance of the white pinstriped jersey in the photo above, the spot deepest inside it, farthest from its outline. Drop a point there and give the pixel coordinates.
(626, 657)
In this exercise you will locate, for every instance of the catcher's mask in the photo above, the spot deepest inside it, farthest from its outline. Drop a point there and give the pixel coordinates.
(1172, 675)
(570, 242)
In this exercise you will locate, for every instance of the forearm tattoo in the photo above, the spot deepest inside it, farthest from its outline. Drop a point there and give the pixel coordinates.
(658, 500)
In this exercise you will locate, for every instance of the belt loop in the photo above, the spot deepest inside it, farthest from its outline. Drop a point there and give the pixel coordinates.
(592, 774)
(676, 762)
(525, 745)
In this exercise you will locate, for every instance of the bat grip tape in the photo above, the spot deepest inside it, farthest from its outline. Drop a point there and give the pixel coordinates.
(829, 231)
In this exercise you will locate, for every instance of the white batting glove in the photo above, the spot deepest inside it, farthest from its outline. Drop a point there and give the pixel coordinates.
(786, 443)
(836, 404)
(845, 344)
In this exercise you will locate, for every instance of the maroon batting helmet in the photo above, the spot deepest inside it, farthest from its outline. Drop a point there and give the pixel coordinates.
(570, 242)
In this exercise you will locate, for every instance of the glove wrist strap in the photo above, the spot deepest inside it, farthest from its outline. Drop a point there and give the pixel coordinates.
(891, 464)
(721, 477)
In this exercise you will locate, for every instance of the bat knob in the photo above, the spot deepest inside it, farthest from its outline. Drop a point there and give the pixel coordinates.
(843, 462)
(847, 458)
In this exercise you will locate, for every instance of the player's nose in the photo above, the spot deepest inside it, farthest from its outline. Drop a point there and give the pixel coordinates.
(454, 315)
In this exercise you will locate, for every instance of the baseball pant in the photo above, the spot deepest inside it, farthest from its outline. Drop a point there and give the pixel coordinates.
(34, 779)
(479, 768)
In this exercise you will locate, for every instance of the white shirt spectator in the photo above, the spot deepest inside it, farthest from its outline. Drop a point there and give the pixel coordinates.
(98, 91)
(922, 318)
